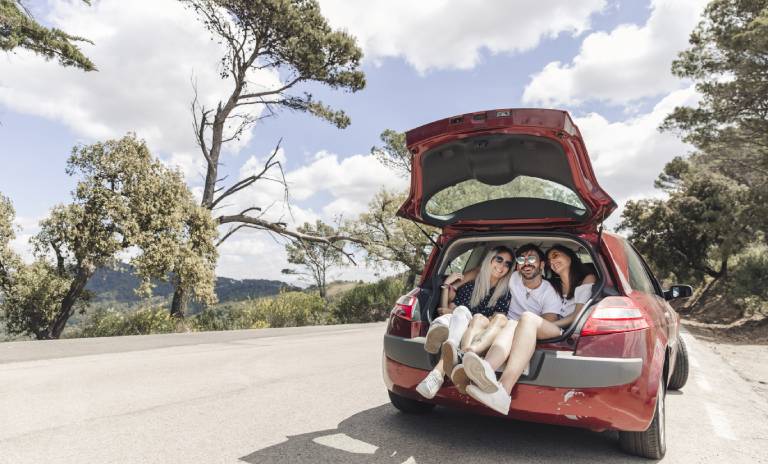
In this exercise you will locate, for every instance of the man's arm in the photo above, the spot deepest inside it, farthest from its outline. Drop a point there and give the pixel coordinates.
(552, 305)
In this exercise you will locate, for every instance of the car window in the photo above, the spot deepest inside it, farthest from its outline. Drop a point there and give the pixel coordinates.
(638, 277)
(458, 263)
(471, 192)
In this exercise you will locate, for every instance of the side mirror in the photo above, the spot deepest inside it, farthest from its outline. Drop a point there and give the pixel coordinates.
(678, 291)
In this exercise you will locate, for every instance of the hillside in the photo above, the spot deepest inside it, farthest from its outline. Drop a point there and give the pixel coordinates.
(117, 285)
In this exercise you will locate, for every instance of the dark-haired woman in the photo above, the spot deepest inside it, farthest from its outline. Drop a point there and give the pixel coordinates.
(573, 281)
(473, 319)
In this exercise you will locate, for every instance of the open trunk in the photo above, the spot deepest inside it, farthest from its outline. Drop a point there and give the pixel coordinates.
(467, 252)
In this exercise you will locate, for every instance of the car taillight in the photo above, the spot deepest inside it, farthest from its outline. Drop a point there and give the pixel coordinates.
(406, 305)
(607, 320)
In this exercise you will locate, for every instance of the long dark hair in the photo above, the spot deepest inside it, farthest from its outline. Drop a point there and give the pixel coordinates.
(576, 274)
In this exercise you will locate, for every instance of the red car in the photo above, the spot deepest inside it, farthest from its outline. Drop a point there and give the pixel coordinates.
(514, 176)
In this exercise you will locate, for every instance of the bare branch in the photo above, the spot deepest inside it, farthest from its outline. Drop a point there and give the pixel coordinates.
(273, 92)
(282, 230)
(244, 183)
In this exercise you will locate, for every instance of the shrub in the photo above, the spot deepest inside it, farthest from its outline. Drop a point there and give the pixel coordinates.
(111, 323)
(368, 302)
(288, 309)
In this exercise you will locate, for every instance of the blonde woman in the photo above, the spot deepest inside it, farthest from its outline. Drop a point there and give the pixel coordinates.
(476, 313)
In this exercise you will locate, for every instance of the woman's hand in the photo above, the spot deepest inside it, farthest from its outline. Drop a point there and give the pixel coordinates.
(443, 310)
(453, 278)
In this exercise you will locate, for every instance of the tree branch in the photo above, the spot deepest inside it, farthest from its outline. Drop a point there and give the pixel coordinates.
(244, 183)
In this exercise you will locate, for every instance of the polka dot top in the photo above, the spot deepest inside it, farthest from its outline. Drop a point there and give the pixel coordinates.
(464, 295)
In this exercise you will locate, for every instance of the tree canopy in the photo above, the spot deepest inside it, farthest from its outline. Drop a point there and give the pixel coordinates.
(125, 201)
(18, 29)
(711, 228)
(292, 39)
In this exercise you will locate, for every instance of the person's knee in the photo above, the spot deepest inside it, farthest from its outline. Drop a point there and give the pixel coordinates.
(463, 311)
(499, 319)
(529, 318)
(478, 320)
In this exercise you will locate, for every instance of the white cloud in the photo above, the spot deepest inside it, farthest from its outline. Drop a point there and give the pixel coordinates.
(338, 187)
(624, 65)
(26, 228)
(355, 178)
(627, 156)
(341, 188)
(440, 34)
(148, 52)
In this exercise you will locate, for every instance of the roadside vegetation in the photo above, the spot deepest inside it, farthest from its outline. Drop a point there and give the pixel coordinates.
(709, 229)
(359, 302)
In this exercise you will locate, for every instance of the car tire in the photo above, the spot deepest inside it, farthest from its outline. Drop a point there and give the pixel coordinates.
(651, 443)
(408, 405)
(680, 373)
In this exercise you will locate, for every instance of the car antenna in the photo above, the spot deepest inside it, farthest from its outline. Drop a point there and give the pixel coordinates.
(429, 237)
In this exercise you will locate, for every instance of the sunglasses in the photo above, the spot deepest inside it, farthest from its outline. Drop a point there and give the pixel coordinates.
(499, 259)
(530, 259)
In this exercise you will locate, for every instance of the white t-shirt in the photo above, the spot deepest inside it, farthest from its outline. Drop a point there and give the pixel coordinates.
(580, 296)
(540, 300)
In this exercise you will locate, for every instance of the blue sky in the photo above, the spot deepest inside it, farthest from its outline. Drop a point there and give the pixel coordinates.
(606, 62)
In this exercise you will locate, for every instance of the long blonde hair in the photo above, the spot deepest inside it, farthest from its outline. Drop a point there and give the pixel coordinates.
(483, 280)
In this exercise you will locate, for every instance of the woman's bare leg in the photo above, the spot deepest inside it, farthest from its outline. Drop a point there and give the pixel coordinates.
(501, 345)
(483, 341)
(477, 325)
(528, 330)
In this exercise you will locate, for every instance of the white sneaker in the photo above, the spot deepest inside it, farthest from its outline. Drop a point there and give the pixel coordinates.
(499, 400)
(436, 335)
(460, 379)
(450, 355)
(429, 387)
(480, 372)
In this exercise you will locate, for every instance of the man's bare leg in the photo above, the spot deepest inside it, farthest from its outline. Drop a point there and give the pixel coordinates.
(477, 325)
(482, 342)
(530, 328)
(501, 345)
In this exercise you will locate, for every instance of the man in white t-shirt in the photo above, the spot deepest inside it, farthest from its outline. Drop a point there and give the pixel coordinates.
(530, 292)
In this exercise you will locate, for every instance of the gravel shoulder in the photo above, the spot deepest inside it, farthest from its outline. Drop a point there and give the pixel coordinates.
(747, 355)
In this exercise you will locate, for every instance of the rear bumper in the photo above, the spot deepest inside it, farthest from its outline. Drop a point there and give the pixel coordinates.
(562, 389)
(547, 368)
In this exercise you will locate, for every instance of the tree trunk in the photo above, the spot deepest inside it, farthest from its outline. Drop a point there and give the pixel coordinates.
(410, 279)
(68, 303)
(179, 303)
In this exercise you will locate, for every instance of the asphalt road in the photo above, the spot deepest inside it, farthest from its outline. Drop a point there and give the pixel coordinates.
(309, 395)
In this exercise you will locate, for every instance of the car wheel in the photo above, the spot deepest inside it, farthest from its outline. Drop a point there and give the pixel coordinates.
(680, 374)
(408, 405)
(653, 442)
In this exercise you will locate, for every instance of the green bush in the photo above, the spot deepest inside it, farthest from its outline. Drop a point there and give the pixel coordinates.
(368, 302)
(111, 323)
(288, 309)
(747, 281)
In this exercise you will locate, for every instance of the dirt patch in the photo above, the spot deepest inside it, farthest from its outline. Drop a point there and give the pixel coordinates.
(742, 332)
(743, 346)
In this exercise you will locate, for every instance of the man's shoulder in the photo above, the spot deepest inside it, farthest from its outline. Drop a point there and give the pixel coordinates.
(547, 287)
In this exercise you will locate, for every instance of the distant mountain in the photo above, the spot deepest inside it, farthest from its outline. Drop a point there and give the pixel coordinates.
(118, 284)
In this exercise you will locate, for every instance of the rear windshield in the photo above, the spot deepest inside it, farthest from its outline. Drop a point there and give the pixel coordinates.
(472, 191)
